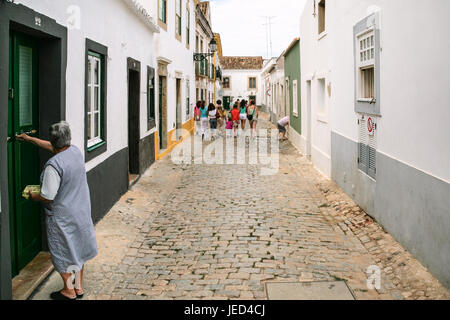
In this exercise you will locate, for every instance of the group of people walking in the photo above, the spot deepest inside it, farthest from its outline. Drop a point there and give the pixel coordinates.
(216, 117)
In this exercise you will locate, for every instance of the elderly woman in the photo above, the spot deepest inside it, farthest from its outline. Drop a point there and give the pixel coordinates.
(65, 197)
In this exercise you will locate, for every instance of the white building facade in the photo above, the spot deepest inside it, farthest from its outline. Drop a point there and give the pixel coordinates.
(241, 79)
(122, 79)
(207, 70)
(175, 74)
(277, 84)
(378, 126)
(266, 94)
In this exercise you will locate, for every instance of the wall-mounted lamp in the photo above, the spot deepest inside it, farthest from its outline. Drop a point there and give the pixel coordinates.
(203, 56)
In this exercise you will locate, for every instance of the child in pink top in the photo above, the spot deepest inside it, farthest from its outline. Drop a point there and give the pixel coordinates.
(229, 127)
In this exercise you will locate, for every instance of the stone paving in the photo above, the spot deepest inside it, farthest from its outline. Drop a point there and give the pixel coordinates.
(223, 231)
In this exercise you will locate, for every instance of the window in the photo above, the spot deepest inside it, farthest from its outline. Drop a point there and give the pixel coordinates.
(162, 11)
(252, 83)
(188, 97)
(178, 18)
(188, 25)
(321, 16)
(226, 83)
(321, 96)
(95, 99)
(295, 97)
(366, 38)
(150, 98)
(366, 64)
(367, 146)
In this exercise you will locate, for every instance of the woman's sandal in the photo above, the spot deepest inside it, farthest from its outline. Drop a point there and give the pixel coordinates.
(57, 295)
(79, 296)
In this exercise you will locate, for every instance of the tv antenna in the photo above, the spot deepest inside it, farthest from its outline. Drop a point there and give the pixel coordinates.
(268, 26)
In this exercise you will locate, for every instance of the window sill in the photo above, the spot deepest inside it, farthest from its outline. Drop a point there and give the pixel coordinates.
(322, 35)
(95, 151)
(96, 146)
(364, 100)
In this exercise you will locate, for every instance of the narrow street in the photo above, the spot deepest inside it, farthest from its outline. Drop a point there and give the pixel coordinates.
(222, 232)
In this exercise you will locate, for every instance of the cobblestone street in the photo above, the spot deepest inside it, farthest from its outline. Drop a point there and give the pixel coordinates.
(223, 231)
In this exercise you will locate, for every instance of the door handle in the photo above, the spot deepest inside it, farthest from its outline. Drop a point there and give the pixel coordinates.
(28, 133)
(11, 139)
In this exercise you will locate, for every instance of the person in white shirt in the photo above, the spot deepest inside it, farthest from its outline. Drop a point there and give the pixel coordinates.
(282, 124)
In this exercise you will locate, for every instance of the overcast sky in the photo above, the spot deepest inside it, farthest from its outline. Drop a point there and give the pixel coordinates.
(241, 25)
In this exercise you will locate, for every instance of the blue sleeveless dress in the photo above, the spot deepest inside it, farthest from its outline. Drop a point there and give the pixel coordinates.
(70, 230)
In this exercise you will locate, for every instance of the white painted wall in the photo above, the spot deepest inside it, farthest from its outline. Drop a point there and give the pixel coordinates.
(415, 78)
(168, 47)
(266, 93)
(239, 84)
(119, 29)
(277, 94)
(315, 59)
(203, 83)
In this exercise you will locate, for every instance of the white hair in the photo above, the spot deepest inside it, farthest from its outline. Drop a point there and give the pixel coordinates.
(60, 135)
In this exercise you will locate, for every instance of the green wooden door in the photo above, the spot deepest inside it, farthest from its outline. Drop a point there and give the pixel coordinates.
(226, 103)
(23, 158)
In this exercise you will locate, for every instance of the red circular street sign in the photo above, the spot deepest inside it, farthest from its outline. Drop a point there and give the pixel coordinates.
(370, 125)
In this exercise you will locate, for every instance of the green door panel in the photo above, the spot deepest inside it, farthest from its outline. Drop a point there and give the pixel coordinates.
(226, 103)
(23, 157)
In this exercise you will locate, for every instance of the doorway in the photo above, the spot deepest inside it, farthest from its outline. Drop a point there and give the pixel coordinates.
(23, 158)
(308, 118)
(179, 116)
(162, 111)
(134, 83)
(226, 103)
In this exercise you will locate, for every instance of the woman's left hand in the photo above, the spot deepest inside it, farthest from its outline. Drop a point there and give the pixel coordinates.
(33, 196)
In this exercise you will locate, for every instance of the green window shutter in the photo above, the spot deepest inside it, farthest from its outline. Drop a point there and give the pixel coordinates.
(25, 86)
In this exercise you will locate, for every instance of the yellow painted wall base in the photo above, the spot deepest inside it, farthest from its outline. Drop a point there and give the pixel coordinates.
(188, 126)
